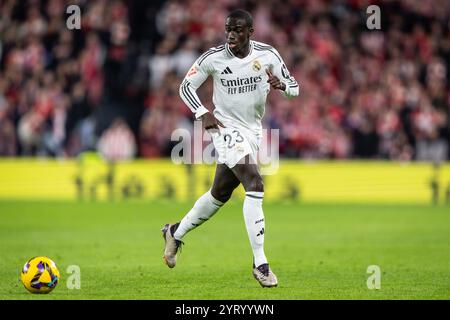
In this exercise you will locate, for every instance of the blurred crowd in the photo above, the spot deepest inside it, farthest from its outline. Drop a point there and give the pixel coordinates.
(112, 85)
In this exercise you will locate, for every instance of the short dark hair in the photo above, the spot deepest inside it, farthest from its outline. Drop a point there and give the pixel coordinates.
(242, 14)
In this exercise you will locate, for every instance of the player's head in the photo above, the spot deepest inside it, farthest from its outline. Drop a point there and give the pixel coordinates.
(238, 29)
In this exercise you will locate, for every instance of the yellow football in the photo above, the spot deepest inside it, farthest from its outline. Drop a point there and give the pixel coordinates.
(40, 275)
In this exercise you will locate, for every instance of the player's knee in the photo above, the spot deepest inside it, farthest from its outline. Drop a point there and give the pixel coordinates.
(255, 183)
(221, 194)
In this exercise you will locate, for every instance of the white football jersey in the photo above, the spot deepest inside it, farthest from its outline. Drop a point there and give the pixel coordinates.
(240, 85)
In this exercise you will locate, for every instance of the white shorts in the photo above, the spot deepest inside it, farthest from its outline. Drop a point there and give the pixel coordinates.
(233, 144)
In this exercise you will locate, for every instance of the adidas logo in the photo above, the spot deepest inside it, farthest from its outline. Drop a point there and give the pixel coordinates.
(260, 233)
(227, 70)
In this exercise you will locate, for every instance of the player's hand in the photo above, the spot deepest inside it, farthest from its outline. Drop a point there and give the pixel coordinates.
(274, 81)
(210, 122)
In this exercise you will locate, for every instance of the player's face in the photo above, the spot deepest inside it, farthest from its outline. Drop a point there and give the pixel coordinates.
(237, 33)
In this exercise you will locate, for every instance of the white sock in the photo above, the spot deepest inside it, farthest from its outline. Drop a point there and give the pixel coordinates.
(204, 208)
(254, 221)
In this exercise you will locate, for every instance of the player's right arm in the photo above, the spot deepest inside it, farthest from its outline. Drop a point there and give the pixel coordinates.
(194, 78)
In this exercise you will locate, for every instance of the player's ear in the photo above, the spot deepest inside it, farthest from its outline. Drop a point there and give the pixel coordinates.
(250, 31)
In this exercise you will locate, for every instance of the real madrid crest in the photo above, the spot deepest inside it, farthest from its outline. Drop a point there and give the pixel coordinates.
(256, 65)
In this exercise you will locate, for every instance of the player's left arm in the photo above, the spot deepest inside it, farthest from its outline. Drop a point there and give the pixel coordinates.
(281, 79)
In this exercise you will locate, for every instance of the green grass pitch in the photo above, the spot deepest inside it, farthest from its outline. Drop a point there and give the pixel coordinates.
(317, 251)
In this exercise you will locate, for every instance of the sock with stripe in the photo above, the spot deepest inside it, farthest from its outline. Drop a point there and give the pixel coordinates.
(204, 208)
(254, 221)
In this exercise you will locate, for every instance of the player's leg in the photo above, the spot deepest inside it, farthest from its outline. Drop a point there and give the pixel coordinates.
(224, 183)
(209, 203)
(204, 208)
(250, 177)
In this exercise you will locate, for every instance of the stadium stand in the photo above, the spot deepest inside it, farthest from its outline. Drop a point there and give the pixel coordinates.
(380, 94)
